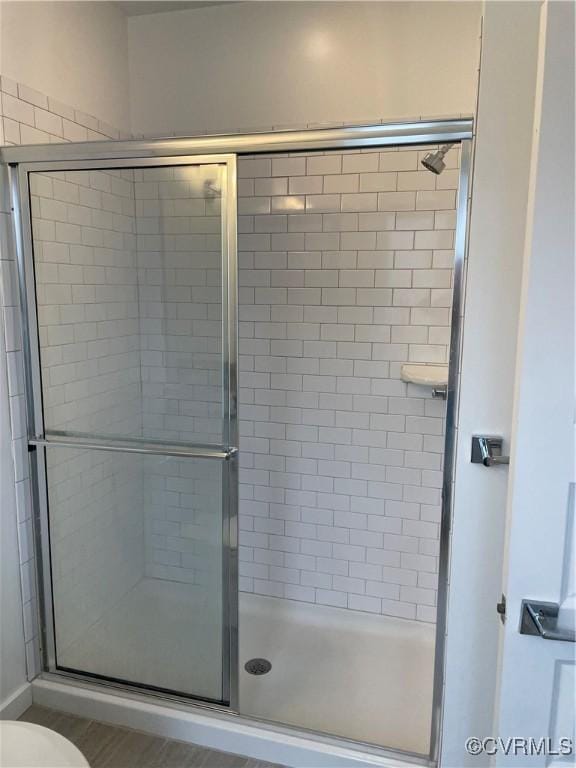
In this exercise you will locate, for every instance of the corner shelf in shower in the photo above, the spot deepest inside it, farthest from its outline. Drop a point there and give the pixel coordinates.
(425, 375)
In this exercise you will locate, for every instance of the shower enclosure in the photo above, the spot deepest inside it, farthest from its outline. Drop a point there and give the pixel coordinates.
(132, 334)
(348, 271)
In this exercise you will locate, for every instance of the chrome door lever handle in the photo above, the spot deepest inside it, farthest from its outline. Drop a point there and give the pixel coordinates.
(488, 451)
(541, 619)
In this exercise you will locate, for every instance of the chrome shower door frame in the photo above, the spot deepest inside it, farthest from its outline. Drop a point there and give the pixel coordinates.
(39, 441)
(360, 137)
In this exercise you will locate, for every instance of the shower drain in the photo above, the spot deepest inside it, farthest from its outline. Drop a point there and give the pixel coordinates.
(258, 666)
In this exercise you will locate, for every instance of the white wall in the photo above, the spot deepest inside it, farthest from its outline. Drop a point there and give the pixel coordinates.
(75, 52)
(13, 666)
(498, 215)
(541, 493)
(267, 64)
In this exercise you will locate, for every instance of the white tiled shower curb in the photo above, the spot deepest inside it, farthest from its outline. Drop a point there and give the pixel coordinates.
(215, 730)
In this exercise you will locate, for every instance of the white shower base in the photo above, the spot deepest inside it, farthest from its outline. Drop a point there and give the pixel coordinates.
(346, 673)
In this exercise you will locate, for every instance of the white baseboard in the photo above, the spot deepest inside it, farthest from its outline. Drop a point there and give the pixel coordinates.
(215, 730)
(16, 704)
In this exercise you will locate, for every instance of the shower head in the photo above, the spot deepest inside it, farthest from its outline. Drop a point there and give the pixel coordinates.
(434, 161)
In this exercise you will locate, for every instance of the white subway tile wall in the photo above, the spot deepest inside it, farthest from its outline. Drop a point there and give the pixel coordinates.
(183, 509)
(98, 312)
(96, 538)
(83, 225)
(179, 255)
(31, 117)
(130, 322)
(345, 272)
(27, 116)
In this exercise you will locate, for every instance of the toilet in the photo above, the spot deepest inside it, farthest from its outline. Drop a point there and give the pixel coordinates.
(26, 745)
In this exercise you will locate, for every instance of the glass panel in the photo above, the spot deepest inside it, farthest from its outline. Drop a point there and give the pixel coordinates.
(136, 555)
(129, 286)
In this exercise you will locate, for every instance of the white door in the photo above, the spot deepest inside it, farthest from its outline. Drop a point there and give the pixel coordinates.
(537, 675)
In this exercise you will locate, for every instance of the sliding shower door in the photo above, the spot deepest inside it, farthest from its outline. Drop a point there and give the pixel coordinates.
(131, 281)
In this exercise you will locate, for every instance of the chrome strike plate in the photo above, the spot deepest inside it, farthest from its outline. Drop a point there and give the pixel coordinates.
(487, 450)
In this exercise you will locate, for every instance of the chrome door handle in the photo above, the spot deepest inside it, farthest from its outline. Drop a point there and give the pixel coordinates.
(488, 451)
(541, 619)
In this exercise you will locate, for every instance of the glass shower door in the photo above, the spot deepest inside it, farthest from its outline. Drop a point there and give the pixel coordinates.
(131, 287)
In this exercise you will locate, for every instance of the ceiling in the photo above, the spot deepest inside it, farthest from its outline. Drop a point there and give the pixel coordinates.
(144, 7)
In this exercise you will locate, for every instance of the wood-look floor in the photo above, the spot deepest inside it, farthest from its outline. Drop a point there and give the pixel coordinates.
(108, 746)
